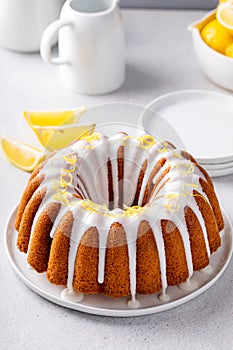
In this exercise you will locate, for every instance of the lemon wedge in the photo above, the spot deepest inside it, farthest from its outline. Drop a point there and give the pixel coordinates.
(55, 138)
(54, 118)
(20, 154)
(224, 15)
(216, 36)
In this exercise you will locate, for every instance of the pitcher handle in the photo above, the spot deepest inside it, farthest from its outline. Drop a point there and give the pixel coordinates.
(47, 41)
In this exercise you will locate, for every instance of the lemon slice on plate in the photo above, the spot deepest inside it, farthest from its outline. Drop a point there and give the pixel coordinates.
(20, 154)
(224, 15)
(55, 138)
(216, 36)
(54, 118)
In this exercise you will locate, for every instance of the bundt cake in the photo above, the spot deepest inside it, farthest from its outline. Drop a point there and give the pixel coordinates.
(118, 216)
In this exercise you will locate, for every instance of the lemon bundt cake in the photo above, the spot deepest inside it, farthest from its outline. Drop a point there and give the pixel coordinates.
(119, 215)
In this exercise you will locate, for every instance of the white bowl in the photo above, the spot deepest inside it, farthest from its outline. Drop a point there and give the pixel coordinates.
(216, 66)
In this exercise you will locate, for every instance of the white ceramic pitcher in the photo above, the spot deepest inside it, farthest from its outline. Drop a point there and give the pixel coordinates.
(22, 22)
(91, 46)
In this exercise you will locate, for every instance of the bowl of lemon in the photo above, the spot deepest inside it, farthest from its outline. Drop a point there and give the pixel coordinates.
(213, 44)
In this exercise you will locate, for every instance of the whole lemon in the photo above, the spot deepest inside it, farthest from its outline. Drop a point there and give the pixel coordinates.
(216, 36)
(229, 50)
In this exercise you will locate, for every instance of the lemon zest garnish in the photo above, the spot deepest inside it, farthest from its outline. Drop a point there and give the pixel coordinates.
(125, 140)
(71, 170)
(71, 158)
(188, 165)
(134, 210)
(91, 206)
(189, 185)
(89, 138)
(172, 207)
(165, 148)
(146, 141)
(64, 178)
(57, 185)
(177, 155)
(103, 209)
(199, 195)
(62, 197)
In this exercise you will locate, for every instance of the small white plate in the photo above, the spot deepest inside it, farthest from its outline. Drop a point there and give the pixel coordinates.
(218, 166)
(101, 305)
(217, 170)
(220, 172)
(202, 119)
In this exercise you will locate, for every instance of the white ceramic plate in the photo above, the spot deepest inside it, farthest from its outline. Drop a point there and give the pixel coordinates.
(220, 172)
(105, 306)
(203, 120)
(218, 166)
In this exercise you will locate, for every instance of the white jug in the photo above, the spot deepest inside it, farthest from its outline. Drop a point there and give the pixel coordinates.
(22, 22)
(91, 46)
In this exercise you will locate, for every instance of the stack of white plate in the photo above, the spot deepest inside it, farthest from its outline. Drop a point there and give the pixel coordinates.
(218, 167)
(203, 124)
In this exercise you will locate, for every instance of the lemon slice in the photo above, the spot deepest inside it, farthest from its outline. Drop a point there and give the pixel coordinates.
(20, 154)
(54, 118)
(216, 36)
(224, 15)
(55, 138)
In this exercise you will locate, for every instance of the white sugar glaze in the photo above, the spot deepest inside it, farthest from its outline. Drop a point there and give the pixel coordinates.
(83, 167)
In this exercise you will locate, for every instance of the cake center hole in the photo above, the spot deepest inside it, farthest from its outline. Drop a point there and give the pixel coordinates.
(112, 183)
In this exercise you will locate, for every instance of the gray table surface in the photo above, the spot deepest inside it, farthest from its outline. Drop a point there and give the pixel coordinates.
(160, 59)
